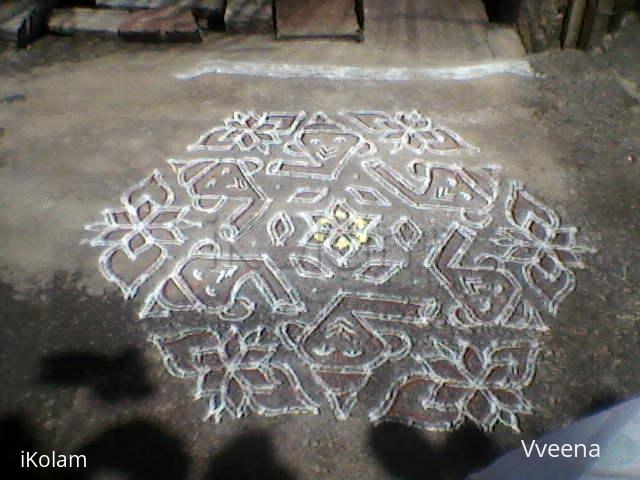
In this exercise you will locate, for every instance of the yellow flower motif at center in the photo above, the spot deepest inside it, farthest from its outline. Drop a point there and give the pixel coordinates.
(362, 238)
(342, 231)
(360, 223)
(343, 243)
(341, 214)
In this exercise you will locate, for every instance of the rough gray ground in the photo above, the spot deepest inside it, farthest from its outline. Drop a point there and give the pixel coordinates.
(83, 121)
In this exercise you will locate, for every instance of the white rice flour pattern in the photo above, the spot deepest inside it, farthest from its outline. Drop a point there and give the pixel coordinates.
(350, 263)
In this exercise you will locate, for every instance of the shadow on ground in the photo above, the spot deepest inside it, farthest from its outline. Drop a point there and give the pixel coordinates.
(140, 450)
(249, 457)
(602, 401)
(49, 352)
(111, 378)
(42, 329)
(136, 450)
(406, 454)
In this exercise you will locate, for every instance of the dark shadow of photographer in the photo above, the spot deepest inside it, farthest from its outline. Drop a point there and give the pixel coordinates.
(406, 454)
(250, 456)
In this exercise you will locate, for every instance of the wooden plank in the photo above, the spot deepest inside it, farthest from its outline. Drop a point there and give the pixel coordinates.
(171, 24)
(249, 16)
(596, 23)
(134, 4)
(438, 30)
(70, 21)
(209, 13)
(317, 18)
(22, 21)
(505, 42)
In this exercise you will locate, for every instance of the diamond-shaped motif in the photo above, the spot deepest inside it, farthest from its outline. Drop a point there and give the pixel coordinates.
(378, 271)
(406, 233)
(368, 196)
(280, 229)
(309, 267)
(308, 195)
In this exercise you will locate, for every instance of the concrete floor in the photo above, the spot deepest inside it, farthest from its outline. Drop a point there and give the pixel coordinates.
(83, 121)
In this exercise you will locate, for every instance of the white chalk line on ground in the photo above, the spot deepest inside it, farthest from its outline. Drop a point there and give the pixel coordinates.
(334, 72)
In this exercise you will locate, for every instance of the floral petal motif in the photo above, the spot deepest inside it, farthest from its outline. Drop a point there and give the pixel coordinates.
(119, 217)
(113, 236)
(480, 409)
(135, 242)
(153, 189)
(181, 352)
(165, 235)
(259, 378)
(526, 317)
(235, 397)
(166, 216)
(411, 131)
(233, 347)
(136, 236)
(209, 383)
(473, 361)
(460, 380)
(522, 254)
(248, 131)
(546, 250)
(528, 214)
(235, 372)
(286, 396)
(552, 288)
(445, 370)
(412, 400)
(446, 395)
(520, 359)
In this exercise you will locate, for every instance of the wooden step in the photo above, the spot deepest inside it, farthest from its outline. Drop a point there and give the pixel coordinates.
(22, 21)
(104, 22)
(175, 23)
(317, 18)
(249, 16)
(134, 4)
(209, 13)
